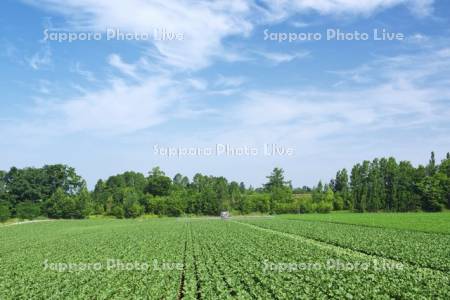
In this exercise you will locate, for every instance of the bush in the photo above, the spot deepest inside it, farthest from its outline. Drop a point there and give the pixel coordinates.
(286, 208)
(4, 212)
(59, 205)
(324, 207)
(338, 203)
(133, 210)
(28, 210)
(306, 207)
(118, 212)
(432, 194)
(257, 202)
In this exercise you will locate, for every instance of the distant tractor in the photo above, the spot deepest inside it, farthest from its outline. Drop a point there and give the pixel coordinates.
(225, 215)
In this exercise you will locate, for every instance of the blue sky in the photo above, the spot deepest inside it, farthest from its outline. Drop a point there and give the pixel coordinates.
(103, 106)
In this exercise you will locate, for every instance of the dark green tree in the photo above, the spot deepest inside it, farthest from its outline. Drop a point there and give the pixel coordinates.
(28, 210)
(431, 192)
(158, 184)
(5, 213)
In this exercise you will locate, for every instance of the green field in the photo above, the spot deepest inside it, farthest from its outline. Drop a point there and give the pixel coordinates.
(417, 221)
(285, 257)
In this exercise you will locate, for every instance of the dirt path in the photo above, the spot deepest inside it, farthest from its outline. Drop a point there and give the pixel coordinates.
(24, 222)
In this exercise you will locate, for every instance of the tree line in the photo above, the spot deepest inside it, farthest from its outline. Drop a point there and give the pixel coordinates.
(57, 191)
(388, 185)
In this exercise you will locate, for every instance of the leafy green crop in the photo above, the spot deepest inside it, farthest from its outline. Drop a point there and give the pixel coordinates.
(412, 221)
(417, 248)
(215, 260)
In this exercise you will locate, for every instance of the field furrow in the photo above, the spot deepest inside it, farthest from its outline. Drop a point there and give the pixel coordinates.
(421, 249)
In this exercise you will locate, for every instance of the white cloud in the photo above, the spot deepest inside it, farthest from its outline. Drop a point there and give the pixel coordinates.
(285, 8)
(40, 59)
(405, 92)
(281, 57)
(422, 8)
(300, 24)
(204, 24)
(197, 83)
(79, 69)
(122, 108)
(128, 69)
(229, 82)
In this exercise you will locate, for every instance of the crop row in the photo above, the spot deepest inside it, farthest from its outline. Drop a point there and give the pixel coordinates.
(220, 260)
(240, 254)
(417, 248)
(23, 273)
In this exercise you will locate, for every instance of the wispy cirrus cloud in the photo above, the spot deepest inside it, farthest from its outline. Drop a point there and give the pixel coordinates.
(405, 91)
(205, 24)
(283, 57)
(41, 59)
(80, 70)
(284, 8)
(128, 69)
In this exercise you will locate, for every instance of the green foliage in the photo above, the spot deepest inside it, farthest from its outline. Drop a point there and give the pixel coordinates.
(384, 184)
(118, 212)
(223, 260)
(413, 221)
(324, 207)
(338, 202)
(37, 185)
(341, 188)
(158, 183)
(279, 189)
(431, 191)
(305, 203)
(5, 213)
(427, 250)
(286, 208)
(63, 206)
(133, 210)
(28, 210)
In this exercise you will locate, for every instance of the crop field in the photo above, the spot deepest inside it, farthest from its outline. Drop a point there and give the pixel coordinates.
(415, 221)
(241, 258)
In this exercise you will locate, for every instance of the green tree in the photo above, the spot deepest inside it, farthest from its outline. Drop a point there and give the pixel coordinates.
(133, 209)
(431, 192)
(444, 169)
(341, 188)
(408, 198)
(83, 204)
(318, 193)
(28, 210)
(3, 187)
(431, 167)
(59, 205)
(276, 180)
(235, 195)
(118, 212)
(158, 184)
(279, 189)
(5, 213)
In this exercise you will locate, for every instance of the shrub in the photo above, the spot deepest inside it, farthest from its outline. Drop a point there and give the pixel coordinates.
(4, 212)
(28, 210)
(133, 210)
(324, 207)
(118, 212)
(338, 202)
(306, 207)
(286, 208)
